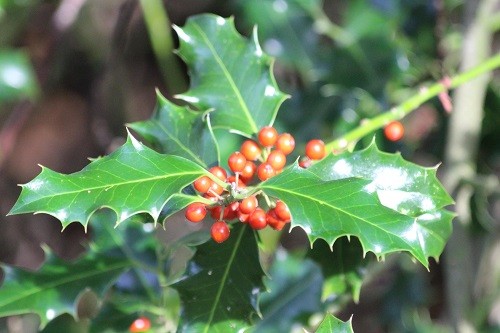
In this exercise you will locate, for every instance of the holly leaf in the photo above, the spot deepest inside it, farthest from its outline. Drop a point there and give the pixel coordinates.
(329, 209)
(401, 185)
(133, 179)
(229, 74)
(178, 130)
(221, 284)
(342, 266)
(294, 294)
(332, 324)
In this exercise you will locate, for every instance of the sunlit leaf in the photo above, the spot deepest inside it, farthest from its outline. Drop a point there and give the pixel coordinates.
(229, 74)
(329, 209)
(134, 179)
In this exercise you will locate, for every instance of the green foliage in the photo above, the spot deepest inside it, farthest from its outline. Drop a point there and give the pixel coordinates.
(228, 74)
(385, 202)
(220, 288)
(330, 208)
(332, 324)
(134, 179)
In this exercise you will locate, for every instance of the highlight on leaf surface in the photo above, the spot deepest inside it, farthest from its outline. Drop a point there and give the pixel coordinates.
(134, 179)
(343, 197)
(229, 73)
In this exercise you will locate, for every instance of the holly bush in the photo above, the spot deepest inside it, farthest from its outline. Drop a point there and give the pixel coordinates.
(229, 273)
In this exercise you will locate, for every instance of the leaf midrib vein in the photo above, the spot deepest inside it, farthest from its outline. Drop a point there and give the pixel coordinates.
(338, 209)
(228, 77)
(223, 281)
(122, 183)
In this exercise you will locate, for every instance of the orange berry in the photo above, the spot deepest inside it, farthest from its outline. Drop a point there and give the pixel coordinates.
(285, 143)
(268, 136)
(394, 131)
(315, 149)
(250, 149)
(277, 159)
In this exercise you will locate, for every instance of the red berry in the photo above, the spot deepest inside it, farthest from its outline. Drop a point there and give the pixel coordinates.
(248, 171)
(305, 163)
(315, 149)
(219, 231)
(265, 171)
(273, 220)
(242, 217)
(202, 184)
(268, 136)
(394, 131)
(215, 189)
(285, 143)
(236, 162)
(257, 220)
(251, 150)
(277, 159)
(248, 204)
(282, 211)
(218, 172)
(141, 324)
(196, 212)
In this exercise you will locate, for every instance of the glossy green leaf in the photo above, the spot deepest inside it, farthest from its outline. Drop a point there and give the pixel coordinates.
(177, 130)
(229, 74)
(342, 265)
(401, 185)
(294, 294)
(332, 324)
(329, 209)
(17, 79)
(133, 179)
(222, 282)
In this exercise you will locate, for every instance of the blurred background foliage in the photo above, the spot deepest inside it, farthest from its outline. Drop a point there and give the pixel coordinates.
(72, 72)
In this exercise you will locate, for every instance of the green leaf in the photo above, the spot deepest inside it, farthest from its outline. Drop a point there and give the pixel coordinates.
(229, 74)
(133, 179)
(342, 265)
(178, 130)
(17, 79)
(221, 284)
(332, 324)
(56, 287)
(403, 186)
(345, 207)
(294, 294)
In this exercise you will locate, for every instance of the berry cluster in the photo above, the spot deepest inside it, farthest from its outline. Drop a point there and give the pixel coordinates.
(260, 159)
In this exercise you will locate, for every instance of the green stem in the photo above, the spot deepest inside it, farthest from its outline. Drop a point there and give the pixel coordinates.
(400, 111)
(158, 25)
